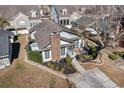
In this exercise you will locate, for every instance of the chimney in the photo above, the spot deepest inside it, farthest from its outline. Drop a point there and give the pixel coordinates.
(55, 46)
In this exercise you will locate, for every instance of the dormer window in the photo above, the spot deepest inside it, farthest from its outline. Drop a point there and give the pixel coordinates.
(83, 10)
(64, 11)
(33, 13)
(41, 12)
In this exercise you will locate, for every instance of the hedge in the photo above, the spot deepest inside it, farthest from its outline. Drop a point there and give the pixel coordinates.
(113, 57)
(34, 55)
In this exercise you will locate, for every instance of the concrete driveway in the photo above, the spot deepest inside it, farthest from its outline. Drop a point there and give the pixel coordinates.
(94, 78)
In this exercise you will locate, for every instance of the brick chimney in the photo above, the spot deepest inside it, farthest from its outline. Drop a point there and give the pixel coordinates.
(55, 46)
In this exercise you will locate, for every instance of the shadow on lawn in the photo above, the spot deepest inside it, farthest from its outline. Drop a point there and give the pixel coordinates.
(15, 52)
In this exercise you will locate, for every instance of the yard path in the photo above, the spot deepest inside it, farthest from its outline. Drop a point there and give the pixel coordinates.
(23, 42)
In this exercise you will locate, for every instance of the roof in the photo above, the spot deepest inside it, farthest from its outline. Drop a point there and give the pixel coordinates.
(43, 31)
(89, 9)
(84, 21)
(4, 42)
(10, 11)
(70, 10)
(89, 22)
(102, 25)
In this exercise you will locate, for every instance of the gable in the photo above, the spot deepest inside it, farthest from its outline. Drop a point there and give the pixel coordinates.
(20, 14)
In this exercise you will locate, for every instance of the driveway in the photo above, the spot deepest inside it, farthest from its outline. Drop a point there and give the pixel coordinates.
(111, 70)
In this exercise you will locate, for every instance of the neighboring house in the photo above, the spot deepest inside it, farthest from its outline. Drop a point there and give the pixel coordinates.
(65, 14)
(5, 48)
(22, 16)
(54, 41)
(89, 24)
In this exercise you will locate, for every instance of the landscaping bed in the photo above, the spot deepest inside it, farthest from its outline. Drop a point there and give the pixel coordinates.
(90, 55)
(64, 66)
(116, 54)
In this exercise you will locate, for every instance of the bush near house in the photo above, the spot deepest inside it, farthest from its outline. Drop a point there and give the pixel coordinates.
(34, 55)
(113, 57)
(63, 65)
(122, 54)
(68, 60)
(116, 54)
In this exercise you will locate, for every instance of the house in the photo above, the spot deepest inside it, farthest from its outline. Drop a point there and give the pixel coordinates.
(54, 41)
(66, 14)
(5, 48)
(22, 17)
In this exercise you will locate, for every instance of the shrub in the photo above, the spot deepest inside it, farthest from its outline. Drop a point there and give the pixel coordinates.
(62, 70)
(48, 64)
(113, 57)
(34, 55)
(68, 60)
(116, 53)
(86, 56)
(121, 53)
(57, 68)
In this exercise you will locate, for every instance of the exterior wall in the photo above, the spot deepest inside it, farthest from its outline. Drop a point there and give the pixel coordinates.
(10, 52)
(33, 23)
(74, 17)
(21, 19)
(5, 61)
(32, 35)
(54, 13)
(34, 47)
(43, 56)
(64, 18)
(67, 35)
(25, 31)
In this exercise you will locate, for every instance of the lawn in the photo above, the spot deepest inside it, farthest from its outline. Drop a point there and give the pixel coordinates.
(25, 75)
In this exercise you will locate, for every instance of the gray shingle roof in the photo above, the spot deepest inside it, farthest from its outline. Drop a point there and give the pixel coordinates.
(43, 31)
(70, 9)
(9, 11)
(4, 42)
(84, 21)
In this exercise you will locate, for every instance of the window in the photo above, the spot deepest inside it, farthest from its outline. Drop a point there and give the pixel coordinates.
(60, 21)
(67, 21)
(63, 51)
(30, 24)
(76, 43)
(47, 54)
(64, 22)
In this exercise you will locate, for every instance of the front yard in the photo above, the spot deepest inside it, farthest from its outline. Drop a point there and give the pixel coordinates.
(21, 74)
(26, 75)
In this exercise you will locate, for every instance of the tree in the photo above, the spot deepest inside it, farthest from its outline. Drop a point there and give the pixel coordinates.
(3, 22)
